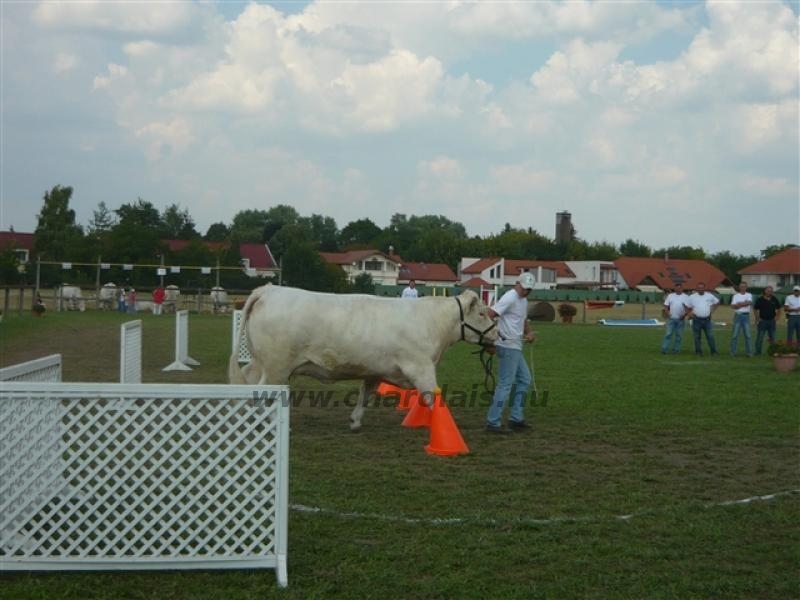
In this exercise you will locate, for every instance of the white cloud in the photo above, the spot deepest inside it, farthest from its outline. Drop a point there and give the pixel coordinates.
(64, 62)
(122, 17)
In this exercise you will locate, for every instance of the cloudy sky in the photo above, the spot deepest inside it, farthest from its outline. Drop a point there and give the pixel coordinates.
(674, 123)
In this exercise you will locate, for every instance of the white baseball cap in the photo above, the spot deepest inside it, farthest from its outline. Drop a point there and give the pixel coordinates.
(796, 288)
(526, 280)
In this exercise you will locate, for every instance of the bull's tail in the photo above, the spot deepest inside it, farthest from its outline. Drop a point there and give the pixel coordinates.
(235, 373)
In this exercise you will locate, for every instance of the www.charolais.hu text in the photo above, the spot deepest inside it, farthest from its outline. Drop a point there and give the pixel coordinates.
(453, 398)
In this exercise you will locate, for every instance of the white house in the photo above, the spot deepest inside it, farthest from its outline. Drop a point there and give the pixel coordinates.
(781, 271)
(593, 274)
(504, 272)
(384, 268)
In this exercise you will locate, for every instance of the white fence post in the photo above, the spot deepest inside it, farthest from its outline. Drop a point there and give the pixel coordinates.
(130, 352)
(188, 477)
(243, 350)
(182, 358)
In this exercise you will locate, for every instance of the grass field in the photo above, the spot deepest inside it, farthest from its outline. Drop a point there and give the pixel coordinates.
(632, 484)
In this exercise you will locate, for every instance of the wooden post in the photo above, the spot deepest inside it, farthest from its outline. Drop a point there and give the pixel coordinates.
(21, 299)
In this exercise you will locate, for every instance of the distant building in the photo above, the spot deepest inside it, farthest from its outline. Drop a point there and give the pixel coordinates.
(504, 271)
(781, 271)
(383, 268)
(565, 232)
(661, 274)
(430, 274)
(20, 243)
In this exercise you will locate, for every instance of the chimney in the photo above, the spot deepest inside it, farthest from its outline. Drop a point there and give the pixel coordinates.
(391, 250)
(666, 257)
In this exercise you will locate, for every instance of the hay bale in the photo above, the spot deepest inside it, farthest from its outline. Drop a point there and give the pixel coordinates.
(541, 311)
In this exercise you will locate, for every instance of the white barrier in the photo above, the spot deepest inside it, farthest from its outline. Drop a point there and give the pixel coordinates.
(47, 368)
(43, 423)
(190, 477)
(244, 351)
(182, 358)
(130, 352)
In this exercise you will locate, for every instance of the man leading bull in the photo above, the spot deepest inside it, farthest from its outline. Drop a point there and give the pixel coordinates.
(511, 312)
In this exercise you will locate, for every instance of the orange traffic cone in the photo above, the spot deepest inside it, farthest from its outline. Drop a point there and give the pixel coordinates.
(419, 415)
(446, 439)
(405, 396)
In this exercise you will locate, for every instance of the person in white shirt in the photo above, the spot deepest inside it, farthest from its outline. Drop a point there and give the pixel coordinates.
(701, 306)
(792, 306)
(411, 290)
(742, 303)
(675, 308)
(511, 312)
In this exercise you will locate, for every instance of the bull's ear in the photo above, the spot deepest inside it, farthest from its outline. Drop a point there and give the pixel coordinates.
(473, 300)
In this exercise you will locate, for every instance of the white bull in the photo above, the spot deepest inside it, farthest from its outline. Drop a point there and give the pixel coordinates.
(333, 337)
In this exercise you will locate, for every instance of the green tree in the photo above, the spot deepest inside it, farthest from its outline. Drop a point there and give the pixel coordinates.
(248, 225)
(682, 252)
(363, 284)
(137, 236)
(635, 248)
(178, 224)
(359, 234)
(304, 268)
(9, 267)
(324, 232)
(217, 232)
(58, 237)
(731, 264)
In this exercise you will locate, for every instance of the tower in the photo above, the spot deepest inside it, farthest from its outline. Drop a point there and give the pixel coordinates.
(565, 232)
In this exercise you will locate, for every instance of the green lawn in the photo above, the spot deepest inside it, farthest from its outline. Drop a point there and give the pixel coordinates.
(623, 489)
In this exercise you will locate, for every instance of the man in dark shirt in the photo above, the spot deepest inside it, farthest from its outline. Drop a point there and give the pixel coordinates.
(766, 309)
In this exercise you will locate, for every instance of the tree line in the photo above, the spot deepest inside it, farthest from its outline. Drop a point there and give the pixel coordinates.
(135, 233)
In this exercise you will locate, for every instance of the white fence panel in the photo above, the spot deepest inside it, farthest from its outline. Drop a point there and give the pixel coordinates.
(47, 368)
(44, 427)
(182, 358)
(189, 477)
(130, 352)
(242, 349)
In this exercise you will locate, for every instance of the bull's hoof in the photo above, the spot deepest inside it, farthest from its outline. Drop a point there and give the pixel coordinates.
(355, 427)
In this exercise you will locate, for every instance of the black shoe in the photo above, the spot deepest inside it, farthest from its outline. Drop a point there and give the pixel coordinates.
(499, 429)
(518, 425)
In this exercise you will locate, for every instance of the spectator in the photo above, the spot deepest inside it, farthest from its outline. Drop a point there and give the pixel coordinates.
(132, 301)
(121, 300)
(766, 308)
(158, 299)
(701, 306)
(792, 306)
(411, 290)
(742, 303)
(675, 308)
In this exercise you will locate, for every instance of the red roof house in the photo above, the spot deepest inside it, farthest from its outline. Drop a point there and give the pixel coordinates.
(665, 273)
(21, 243)
(781, 270)
(427, 274)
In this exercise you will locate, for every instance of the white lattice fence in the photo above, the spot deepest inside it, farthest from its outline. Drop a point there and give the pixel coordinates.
(241, 346)
(130, 352)
(182, 358)
(47, 368)
(187, 477)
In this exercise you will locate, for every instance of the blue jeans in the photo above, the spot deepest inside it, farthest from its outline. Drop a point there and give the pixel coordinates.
(674, 328)
(741, 323)
(513, 370)
(763, 327)
(793, 327)
(703, 325)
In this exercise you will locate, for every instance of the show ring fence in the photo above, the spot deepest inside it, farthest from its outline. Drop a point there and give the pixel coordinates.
(147, 476)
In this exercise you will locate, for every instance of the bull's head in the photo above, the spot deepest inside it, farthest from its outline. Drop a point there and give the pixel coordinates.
(476, 325)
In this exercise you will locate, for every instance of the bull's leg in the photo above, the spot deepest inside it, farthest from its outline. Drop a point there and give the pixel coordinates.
(367, 389)
(424, 379)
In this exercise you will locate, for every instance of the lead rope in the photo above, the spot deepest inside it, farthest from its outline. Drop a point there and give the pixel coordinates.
(488, 375)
